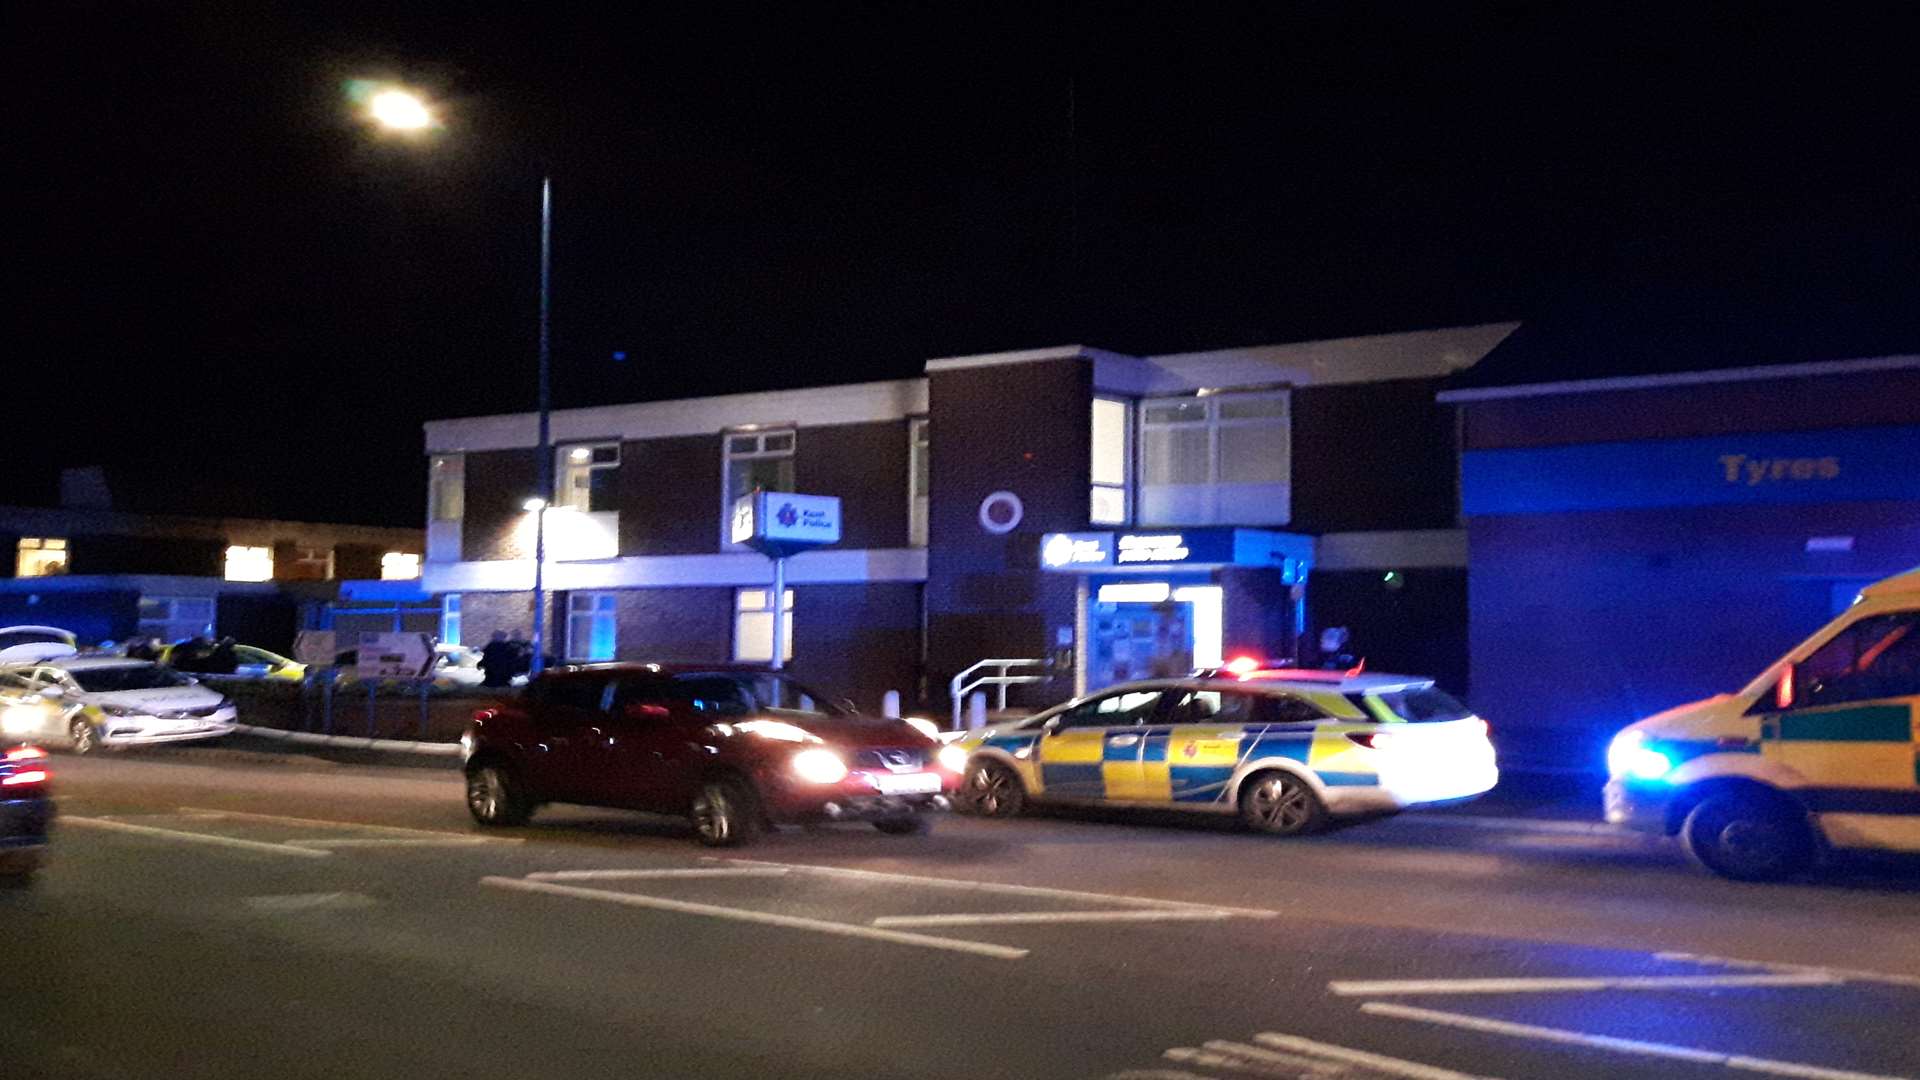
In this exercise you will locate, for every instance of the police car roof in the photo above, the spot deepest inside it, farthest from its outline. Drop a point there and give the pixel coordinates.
(1311, 679)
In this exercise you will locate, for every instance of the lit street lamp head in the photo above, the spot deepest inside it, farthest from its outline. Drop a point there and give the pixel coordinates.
(399, 110)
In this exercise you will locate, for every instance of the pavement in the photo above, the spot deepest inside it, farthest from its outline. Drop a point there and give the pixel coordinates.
(221, 917)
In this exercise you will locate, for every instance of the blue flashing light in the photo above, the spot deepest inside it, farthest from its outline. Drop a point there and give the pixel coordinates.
(1630, 757)
(620, 357)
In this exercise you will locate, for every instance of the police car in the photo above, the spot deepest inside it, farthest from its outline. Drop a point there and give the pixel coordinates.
(1286, 749)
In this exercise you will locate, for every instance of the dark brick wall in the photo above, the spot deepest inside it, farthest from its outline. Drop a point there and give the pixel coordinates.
(669, 496)
(146, 555)
(1257, 615)
(1582, 623)
(1419, 628)
(1022, 428)
(859, 640)
(481, 613)
(499, 483)
(267, 621)
(357, 562)
(1867, 400)
(1373, 456)
(866, 466)
(692, 625)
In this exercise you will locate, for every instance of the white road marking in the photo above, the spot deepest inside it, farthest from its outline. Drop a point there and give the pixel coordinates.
(1608, 1042)
(1206, 1059)
(1274, 1057)
(1400, 987)
(1022, 917)
(1411, 1070)
(1156, 1074)
(325, 901)
(1517, 824)
(649, 875)
(449, 840)
(1843, 974)
(396, 830)
(193, 837)
(793, 922)
(1011, 890)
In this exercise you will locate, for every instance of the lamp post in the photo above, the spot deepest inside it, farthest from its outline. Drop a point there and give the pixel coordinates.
(400, 110)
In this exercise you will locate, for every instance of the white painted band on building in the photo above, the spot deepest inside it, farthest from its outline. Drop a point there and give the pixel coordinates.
(731, 570)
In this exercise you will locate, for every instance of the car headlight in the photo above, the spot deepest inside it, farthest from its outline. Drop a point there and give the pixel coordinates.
(924, 726)
(953, 758)
(819, 766)
(19, 719)
(1629, 756)
(121, 710)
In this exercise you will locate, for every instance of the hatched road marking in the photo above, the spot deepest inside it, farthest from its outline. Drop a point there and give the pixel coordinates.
(395, 830)
(1011, 918)
(184, 836)
(1393, 988)
(297, 902)
(1842, 974)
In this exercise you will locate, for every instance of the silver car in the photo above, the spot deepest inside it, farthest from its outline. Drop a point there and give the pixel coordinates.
(94, 702)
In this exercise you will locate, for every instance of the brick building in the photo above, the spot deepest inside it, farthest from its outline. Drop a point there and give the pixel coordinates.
(1220, 501)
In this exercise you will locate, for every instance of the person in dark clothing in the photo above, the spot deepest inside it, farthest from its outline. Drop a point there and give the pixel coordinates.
(499, 661)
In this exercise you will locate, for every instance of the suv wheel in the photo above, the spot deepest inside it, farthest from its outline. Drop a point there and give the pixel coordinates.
(1748, 837)
(82, 736)
(725, 813)
(494, 796)
(1280, 803)
(990, 789)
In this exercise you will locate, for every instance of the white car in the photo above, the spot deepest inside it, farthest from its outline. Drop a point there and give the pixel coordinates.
(30, 644)
(95, 702)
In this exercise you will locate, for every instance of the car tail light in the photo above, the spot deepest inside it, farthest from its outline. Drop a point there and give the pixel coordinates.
(21, 779)
(25, 753)
(1372, 740)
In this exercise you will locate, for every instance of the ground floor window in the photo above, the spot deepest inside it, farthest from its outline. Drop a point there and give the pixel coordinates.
(450, 618)
(753, 626)
(590, 625)
(176, 618)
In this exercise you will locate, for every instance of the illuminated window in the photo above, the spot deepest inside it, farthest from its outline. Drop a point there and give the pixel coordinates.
(753, 461)
(249, 563)
(41, 557)
(591, 625)
(1108, 504)
(399, 566)
(919, 480)
(176, 618)
(589, 477)
(753, 626)
(447, 487)
(450, 618)
(1215, 459)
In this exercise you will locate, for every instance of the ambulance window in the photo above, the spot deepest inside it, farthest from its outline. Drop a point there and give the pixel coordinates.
(1877, 657)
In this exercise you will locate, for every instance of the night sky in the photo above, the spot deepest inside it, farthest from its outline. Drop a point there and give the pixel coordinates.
(225, 285)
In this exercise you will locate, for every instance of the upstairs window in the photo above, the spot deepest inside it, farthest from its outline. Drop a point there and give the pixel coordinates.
(754, 461)
(399, 566)
(1216, 459)
(447, 487)
(1111, 458)
(40, 557)
(919, 480)
(249, 563)
(589, 473)
(304, 564)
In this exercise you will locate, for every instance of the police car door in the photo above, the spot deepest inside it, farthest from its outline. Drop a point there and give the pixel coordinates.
(1848, 729)
(1094, 747)
(1196, 743)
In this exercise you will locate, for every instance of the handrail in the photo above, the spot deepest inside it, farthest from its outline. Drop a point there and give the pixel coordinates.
(959, 687)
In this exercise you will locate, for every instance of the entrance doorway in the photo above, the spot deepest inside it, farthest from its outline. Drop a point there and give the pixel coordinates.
(1145, 630)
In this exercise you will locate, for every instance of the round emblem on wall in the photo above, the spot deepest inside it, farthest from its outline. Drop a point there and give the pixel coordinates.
(1001, 512)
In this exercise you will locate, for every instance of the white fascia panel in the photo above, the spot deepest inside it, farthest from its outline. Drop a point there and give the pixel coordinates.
(826, 567)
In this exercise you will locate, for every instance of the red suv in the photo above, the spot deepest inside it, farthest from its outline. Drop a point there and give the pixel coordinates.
(733, 748)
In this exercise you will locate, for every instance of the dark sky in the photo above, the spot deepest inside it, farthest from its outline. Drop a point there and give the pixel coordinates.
(216, 269)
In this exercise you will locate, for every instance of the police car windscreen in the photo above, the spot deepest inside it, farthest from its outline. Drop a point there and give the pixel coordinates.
(108, 680)
(1424, 704)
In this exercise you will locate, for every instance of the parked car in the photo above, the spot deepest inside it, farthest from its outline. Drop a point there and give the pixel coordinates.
(1286, 749)
(26, 806)
(733, 748)
(27, 644)
(95, 702)
(235, 662)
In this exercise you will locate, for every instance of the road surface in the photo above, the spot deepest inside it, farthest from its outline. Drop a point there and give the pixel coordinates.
(215, 919)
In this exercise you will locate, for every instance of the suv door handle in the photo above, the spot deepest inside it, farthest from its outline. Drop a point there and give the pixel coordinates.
(1122, 740)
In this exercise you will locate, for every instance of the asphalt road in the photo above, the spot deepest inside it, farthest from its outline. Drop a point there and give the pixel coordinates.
(221, 919)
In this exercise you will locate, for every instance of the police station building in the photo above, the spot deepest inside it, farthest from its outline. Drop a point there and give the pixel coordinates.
(1123, 515)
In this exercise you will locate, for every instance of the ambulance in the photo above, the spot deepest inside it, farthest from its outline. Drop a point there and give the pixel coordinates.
(1820, 752)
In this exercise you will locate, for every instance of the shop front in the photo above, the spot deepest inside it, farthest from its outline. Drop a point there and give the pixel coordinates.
(1155, 604)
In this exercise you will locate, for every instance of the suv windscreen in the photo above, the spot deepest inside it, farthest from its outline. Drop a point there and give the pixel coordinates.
(743, 693)
(108, 680)
(1422, 704)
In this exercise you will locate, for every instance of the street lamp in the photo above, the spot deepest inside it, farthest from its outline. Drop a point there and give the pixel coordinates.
(395, 108)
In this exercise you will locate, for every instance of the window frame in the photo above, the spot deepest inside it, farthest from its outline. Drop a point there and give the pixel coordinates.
(452, 616)
(174, 619)
(567, 495)
(1128, 465)
(760, 434)
(919, 458)
(594, 612)
(740, 611)
(446, 491)
(251, 554)
(41, 546)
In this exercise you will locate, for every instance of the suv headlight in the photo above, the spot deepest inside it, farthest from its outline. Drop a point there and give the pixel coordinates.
(953, 758)
(1629, 756)
(819, 766)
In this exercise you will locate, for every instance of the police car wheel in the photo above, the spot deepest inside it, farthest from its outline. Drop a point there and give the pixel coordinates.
(1281, 804)
(1748, 838)
(82, 736)
(992, 790)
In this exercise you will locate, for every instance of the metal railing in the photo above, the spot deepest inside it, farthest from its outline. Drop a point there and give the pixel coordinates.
(959, 686)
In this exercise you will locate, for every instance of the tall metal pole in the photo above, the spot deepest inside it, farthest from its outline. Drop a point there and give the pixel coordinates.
(546, 435)
(779, 612)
